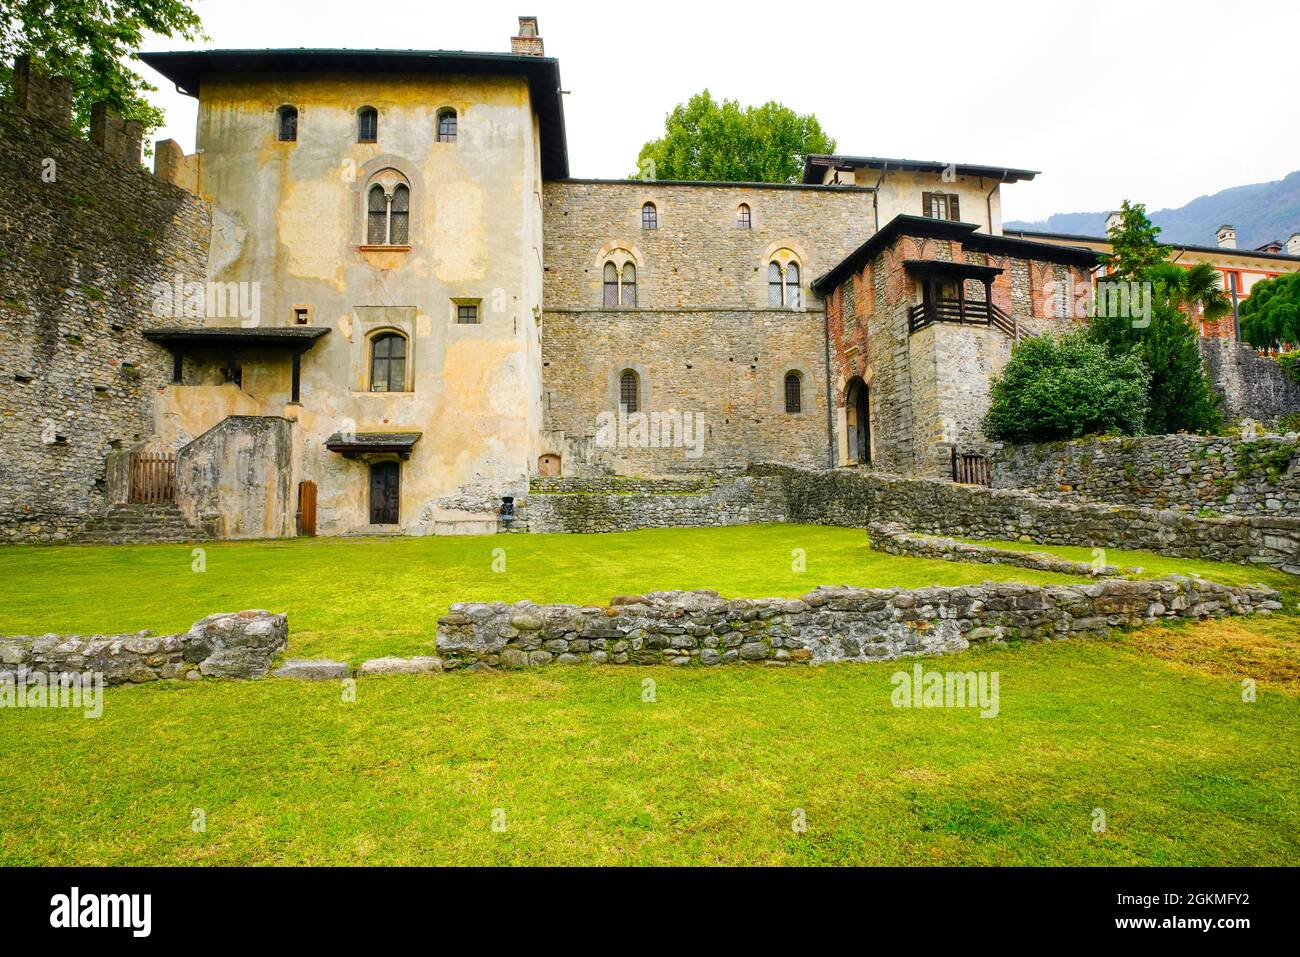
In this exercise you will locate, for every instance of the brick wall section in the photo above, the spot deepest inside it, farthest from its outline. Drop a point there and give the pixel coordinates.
(1183, 472)
(930, 389)
(702, 338)
(79, 256)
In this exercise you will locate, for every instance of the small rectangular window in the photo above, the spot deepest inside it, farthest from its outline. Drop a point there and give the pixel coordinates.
(467, 315)
(301, 316)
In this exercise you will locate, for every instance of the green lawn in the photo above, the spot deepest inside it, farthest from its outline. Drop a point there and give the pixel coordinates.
(354, 599)
(1150, 727)
(712, 771)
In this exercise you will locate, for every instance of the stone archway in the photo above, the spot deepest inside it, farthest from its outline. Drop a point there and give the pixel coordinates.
(857, 417)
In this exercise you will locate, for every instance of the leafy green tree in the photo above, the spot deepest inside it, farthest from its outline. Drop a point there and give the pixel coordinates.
(725, 142)
(1166, 340)
(1181, 397)
(1134, 247)
(1271, 314)
(91, 42)
(1066, 388)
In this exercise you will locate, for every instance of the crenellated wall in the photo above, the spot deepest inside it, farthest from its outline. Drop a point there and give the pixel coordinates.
(85, 233)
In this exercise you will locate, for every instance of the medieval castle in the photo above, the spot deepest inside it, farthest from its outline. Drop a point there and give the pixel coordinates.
(375, 301)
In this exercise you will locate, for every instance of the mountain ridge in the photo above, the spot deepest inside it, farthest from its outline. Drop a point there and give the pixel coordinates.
(1262, 212)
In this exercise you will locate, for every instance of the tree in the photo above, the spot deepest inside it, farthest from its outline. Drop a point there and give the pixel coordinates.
(1134, 247)
(1165, 339)
(1053, 389)
(725, 142)
(1271, 314)
(90, 41)
(1193, 289)
(1181, 397)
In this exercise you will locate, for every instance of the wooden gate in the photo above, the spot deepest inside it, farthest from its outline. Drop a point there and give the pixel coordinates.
(306, 508)
(153, 478)
(971, 469)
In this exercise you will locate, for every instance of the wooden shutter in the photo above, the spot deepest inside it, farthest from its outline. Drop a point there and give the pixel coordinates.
(954, 211)
(927, 204)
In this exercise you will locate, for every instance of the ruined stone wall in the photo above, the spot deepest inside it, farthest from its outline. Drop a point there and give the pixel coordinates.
(623, 506)
(1251, 386)
(83, 238)
(230, 645)
(857, 498)
(1185, 472)
(826, 625)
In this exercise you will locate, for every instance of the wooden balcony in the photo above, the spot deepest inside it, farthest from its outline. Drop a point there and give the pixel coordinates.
(968, 312)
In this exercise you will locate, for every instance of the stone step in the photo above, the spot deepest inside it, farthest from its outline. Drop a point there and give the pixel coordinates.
(140, 523)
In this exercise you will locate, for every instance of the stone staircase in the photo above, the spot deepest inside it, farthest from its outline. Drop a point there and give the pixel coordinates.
(130, 524)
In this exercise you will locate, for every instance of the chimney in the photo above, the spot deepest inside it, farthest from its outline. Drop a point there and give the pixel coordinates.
(1293, 245)
(1227, 236)
(1112, 220)
(527, 43)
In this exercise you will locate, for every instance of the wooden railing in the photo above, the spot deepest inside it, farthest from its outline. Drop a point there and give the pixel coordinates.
(973, 312)
(152, 478)
(970, 469)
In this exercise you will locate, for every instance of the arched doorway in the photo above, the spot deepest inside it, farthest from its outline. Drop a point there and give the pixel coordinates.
(857, 414)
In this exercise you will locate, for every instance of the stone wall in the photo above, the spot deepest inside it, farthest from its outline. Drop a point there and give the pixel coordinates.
(236, 480)
(231, 645)
(856, 498)
(702, 338)
(1184, 472)
(83, 238)
(620, 505)
(717, 376)
(825, 625)
(1251, 386)
(894, 539)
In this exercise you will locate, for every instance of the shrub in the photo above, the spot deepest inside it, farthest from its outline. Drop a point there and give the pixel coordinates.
(1181, 398)
(1056, 389)
(1290, 363)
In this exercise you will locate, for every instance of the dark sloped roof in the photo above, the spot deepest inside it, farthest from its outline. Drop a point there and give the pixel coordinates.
(966, 233)
(299, 338)
(186, 69)
(815, 164)
(360, 443)
(1030, 234)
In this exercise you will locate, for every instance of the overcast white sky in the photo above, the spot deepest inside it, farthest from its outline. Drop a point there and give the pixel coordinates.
(1160, 102)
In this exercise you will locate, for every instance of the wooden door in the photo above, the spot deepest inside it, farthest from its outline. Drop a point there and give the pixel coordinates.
(306, 508)
(385, 483)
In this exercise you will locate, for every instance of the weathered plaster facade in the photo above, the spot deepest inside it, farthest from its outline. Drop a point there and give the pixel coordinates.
(291, 218)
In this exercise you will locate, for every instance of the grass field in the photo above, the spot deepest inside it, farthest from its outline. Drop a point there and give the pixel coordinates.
(358, 598)
(1149, 727)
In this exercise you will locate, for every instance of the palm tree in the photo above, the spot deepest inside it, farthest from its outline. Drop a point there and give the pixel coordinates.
(1195, 289)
